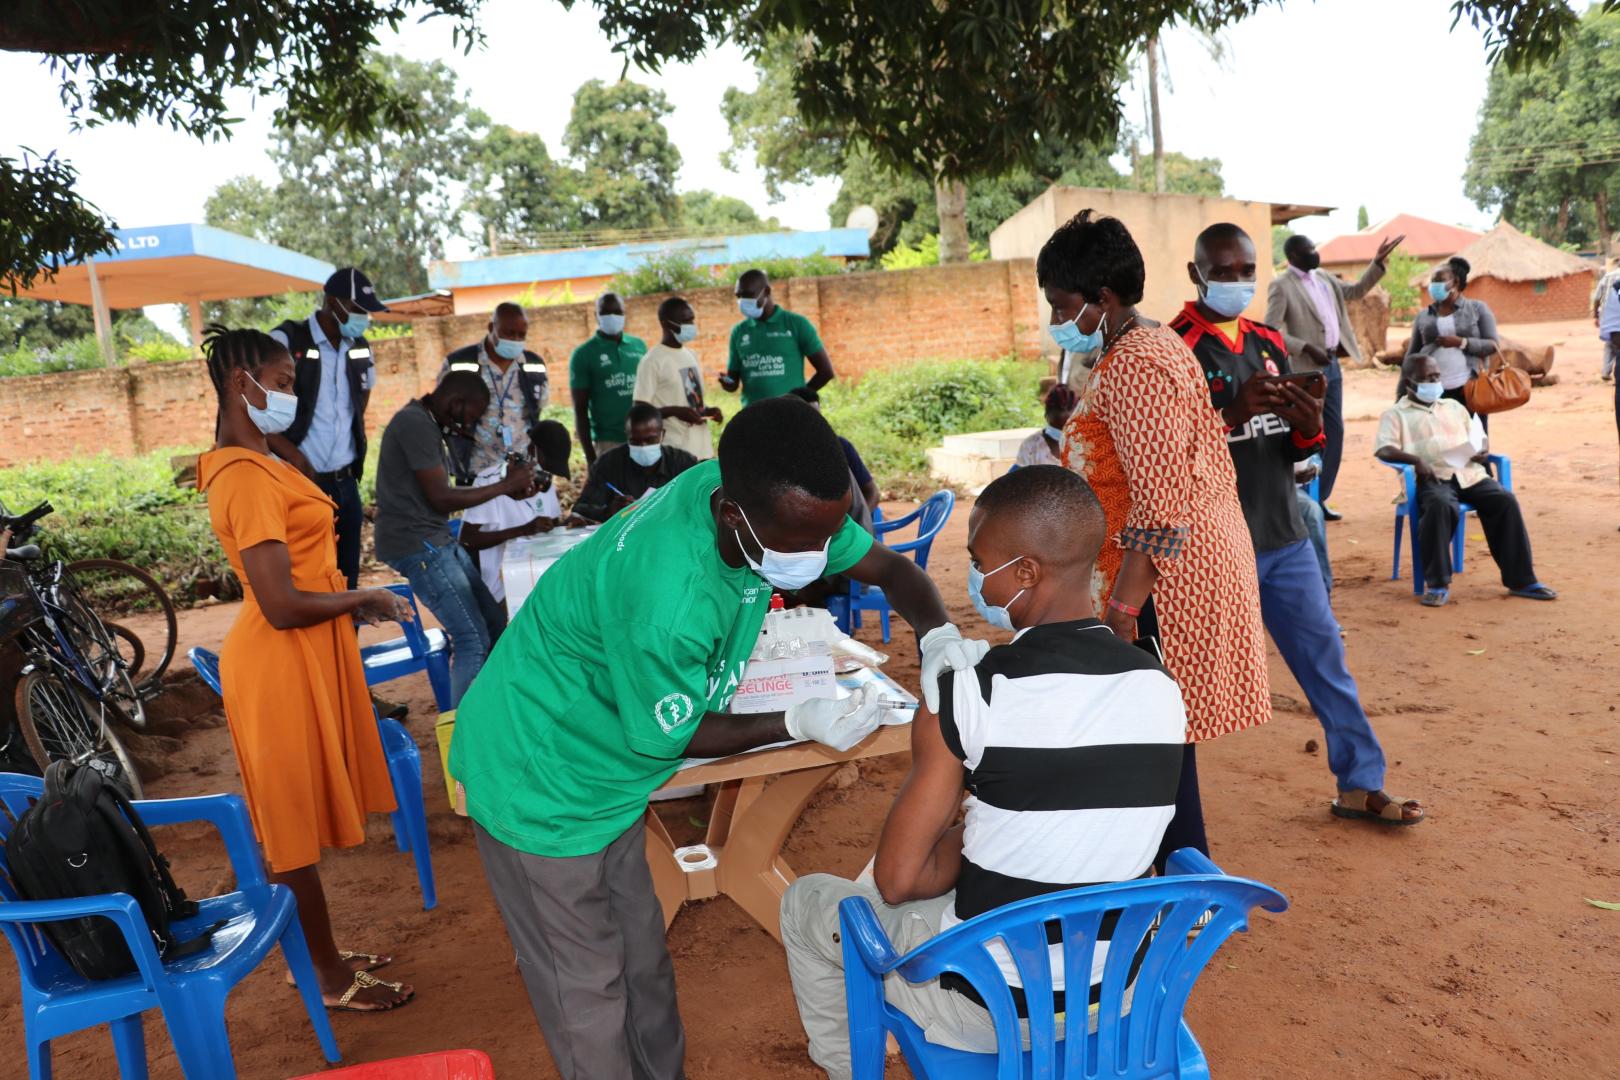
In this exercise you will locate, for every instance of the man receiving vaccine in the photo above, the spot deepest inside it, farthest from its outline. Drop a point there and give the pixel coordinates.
(622, 664)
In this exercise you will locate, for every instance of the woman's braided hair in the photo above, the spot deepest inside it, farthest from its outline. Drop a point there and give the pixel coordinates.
(228, 350)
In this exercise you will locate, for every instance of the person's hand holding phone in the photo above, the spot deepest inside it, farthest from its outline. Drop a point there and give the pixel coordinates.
(728, 382)
(1254, 398)
(1299, 406)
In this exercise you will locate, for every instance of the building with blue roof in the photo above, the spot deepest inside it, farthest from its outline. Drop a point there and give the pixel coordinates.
(477, 285)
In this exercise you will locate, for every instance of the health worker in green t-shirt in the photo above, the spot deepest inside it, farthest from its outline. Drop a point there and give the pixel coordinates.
(621, 664)
(602, 380)
(771, 344)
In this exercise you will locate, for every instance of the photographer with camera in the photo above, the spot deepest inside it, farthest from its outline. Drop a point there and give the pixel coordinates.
(488, 527)
(414, 502)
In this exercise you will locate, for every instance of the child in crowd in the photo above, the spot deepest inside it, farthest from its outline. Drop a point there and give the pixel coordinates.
(1106, 719)
(488, 527)
(1045, 446)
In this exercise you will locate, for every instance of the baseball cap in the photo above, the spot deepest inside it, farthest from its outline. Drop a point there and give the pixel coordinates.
(351, 284)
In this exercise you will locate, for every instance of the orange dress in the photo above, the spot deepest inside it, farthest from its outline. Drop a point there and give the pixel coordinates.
(1147, 441)
(296, 701)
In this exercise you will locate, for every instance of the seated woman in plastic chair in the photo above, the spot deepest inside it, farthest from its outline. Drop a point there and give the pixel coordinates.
(1419, 430)
(1105, 716)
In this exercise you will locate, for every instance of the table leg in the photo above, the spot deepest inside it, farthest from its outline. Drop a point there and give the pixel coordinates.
(751, 869)
(669, 880)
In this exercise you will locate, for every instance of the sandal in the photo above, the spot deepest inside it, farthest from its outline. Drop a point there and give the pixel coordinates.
(1379, 807)
(365, 981)
(373, 962)
(1538, 591)
(1436, 598)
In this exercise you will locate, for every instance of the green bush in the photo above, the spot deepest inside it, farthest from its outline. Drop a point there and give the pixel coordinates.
(122, 508)
(78, 354)
(663, 272)
(893, 416)
(905, 257)
(1405, 299)
(817, 265)
(158, 351)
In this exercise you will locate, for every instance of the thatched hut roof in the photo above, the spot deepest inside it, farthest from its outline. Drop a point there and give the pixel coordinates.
(1507, 254)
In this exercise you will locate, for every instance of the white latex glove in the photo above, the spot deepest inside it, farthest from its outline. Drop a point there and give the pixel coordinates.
(837, 722)
(944, 648)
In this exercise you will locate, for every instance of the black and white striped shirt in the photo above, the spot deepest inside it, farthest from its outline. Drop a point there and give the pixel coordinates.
(1072, 740)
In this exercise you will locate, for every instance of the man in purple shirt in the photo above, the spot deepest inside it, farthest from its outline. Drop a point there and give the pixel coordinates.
(1307, 305)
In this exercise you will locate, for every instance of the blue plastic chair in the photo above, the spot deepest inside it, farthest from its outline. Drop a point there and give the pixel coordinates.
(404, 772)
(420, 649)
(1149, 1042)
(930, 517)
(1406, 514)
(191, 991)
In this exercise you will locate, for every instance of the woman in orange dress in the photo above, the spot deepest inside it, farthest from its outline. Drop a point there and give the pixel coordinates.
(1181, 567)
(300, 716)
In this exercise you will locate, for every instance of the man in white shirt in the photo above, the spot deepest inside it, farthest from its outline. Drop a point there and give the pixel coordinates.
(1425, 430)
(488, 527)
(670, 378)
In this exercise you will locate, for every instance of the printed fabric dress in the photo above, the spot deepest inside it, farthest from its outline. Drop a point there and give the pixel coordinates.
(1146, 440)
(296, 702)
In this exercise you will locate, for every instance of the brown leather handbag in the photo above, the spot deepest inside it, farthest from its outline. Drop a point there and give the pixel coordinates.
(1500, 387)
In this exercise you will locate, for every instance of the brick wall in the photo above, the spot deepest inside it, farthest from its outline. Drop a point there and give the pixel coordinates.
(868, 321)
(1568, 297)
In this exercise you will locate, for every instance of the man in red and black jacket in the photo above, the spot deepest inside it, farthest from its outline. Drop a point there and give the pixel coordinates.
(1273, 419)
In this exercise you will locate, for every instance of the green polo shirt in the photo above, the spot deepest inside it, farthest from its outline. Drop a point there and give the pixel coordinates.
(604, 371)
(588, 700)
(768, 354)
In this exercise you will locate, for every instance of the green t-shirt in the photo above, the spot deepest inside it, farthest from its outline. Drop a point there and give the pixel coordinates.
(588, 700)
(768, 354)
(605, 371)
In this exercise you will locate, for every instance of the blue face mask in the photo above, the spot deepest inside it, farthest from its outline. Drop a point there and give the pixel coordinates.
(686, 332)
(1070, 339)
(278, 413)
(1429, 392)
(647, 456)
(508, 350)
(1054, 433)
(1438, 291)
(998, 617)
(352, 324)
(1227, 298)
(611, 325)
(750, 307)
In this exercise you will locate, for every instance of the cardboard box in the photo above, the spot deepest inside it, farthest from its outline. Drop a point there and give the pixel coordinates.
(443, 729)
(773, 685)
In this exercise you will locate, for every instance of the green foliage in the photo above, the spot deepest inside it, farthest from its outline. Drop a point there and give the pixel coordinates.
(893, 415)
(1405, 299)
(122, 508)
(706, 210)
(1279, 237)
(41, 338)
(1545, 148)
(1182, 175)
(532, 297)
(664, 272)
(43, 224)
(1362, 221)
(817, 265)
(262, 312)
(158, 351)
(904, 256)
(516, 188)
(627, 163)
(77, 354)
(383, 202)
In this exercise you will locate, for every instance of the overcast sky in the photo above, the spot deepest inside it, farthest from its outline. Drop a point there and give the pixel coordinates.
(1328, 102)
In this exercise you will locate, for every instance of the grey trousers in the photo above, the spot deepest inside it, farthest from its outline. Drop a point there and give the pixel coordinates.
(589, 936)
(816, 962)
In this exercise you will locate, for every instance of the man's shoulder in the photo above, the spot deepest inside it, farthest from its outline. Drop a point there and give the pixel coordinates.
(1070, 648)
(467, 354)
(1266, 332)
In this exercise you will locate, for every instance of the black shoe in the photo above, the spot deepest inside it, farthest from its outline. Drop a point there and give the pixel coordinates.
(390, 710)
(1330, 514)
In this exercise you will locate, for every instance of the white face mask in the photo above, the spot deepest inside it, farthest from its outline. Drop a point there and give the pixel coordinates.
(647, 456)
(685, 332)
(278, 412)
(508, 350)
(611, 325)
(786, 570)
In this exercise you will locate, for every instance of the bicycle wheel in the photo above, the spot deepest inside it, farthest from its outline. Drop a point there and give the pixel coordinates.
(118, 591)
(58, 723)
(100, 651)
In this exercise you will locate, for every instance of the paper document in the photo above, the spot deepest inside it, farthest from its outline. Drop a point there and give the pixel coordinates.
(1459, 456)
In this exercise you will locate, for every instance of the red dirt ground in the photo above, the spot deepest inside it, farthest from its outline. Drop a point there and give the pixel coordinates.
(1459, 949)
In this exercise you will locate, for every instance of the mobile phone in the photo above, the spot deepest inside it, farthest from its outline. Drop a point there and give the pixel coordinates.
(1299, 377)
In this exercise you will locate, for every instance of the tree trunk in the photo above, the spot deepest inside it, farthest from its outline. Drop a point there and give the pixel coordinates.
(1600, 203)
(950, 200)
(1153, 111)
(1563, 220)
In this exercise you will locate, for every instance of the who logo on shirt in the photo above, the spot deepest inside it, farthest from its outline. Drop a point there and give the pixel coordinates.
(672, 711)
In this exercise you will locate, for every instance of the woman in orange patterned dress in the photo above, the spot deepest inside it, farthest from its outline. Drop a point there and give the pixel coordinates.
(1181, 565)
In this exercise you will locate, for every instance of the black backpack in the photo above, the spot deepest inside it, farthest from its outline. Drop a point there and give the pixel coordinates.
(83, 838)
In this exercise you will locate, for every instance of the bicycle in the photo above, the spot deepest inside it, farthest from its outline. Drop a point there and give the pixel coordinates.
(115, 591)
(71, 678)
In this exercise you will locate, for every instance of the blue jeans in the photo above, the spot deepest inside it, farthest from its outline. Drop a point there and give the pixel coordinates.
(447, 583)
(345, 491)
(1295, 609)
(1316, 528)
